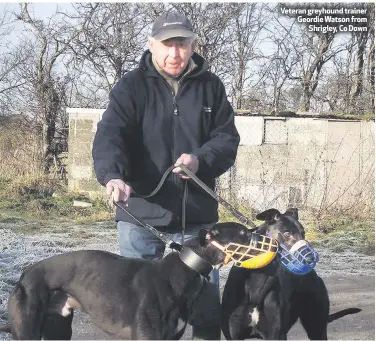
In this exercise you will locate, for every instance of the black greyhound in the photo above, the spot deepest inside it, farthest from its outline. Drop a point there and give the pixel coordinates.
(127, 298)
(266, 303)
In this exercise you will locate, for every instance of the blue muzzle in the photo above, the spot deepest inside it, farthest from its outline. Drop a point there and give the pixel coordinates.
(300, 259)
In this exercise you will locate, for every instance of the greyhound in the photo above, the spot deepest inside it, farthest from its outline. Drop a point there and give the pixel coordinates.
(266, 303)
(127, 298)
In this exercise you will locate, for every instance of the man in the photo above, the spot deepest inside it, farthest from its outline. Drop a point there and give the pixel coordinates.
(170, 110)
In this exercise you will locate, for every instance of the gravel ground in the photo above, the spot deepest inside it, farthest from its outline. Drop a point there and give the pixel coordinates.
(350, 277)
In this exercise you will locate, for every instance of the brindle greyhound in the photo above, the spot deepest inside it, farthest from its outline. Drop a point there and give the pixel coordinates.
(127, 298)
(267, 302)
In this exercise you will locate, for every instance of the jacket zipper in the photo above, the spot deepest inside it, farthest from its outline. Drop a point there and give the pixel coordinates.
(175, 114)
(175, 177)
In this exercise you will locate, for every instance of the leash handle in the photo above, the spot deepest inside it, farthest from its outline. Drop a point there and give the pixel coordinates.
(244, 220)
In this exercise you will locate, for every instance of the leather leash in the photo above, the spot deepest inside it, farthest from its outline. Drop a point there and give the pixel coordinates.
(244, 220)
(162, 236)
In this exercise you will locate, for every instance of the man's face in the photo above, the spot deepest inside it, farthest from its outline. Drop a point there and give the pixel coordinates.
(172, 55)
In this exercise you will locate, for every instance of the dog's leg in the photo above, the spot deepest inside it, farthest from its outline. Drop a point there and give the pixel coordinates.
(234, 318)
(272, 323)
(25, 313)
(57, 327)
(57, 324)
(316, 328)
(314, 308)
(237, 325)
(294, 309)
(314, 317)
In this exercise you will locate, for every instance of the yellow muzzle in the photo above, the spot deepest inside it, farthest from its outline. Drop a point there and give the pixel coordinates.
(259, 253)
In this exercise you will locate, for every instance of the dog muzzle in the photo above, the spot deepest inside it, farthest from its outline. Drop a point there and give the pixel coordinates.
(300, 259)
(259, 253)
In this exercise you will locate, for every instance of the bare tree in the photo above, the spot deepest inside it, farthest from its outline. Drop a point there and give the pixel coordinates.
(361, 41)
(318, 54)
(334, 92)
(10, 79)
(11, 58)
(361, 38)
(45, 97)
(371, 54)
(246, 25)
(112, 38)
(314, 50)
(281, 63)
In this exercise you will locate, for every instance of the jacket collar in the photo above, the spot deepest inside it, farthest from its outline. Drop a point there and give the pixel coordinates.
(147, 66)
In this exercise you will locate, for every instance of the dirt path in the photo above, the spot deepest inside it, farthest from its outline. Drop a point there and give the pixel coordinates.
(350, 277)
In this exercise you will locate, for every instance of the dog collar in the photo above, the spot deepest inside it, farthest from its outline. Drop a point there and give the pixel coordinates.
(195, 262)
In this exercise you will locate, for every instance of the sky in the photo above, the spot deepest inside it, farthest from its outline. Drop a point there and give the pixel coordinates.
(37, 10)
(41, 10)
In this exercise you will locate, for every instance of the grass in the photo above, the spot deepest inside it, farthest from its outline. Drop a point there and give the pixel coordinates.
(55, 207)
(342, 234)
(36, 198)
(33, 204)
(29, 205)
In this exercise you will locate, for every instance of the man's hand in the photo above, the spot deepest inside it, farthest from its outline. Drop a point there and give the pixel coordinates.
(190, 161)
(119, 190)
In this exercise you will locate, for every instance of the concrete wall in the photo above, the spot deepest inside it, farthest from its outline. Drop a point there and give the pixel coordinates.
(82, 127)
(315, 163)
(305, 162)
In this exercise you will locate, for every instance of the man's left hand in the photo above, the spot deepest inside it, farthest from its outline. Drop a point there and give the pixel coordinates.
(190, 161)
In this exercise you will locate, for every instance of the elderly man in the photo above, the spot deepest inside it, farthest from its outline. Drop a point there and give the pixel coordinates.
(169, 110)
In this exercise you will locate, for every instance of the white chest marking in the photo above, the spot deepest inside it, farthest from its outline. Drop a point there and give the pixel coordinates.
(255, 316)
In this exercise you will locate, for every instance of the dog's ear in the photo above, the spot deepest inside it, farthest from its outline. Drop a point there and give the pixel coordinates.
(269, 216)
(293, 212)
(202, 236)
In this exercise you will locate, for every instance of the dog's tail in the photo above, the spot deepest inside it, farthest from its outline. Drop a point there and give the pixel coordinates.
(342, 313)
(5, 328)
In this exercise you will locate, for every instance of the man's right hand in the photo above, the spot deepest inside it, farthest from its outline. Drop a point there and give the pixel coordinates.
(119, 191)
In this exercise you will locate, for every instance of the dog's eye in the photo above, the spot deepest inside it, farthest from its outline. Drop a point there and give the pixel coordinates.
(286, 234)
(242, 232)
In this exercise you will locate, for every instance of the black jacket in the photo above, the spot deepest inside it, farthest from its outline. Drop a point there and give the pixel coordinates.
(145, 129)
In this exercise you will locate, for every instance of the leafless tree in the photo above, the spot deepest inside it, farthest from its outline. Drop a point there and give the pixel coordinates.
(371, 54)
(111, 40)
(44, 89)
(11, 58)
(335, 88)
(280, 63)
(361, 42)
(246, 25)
(314, 50)
(358, 79)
